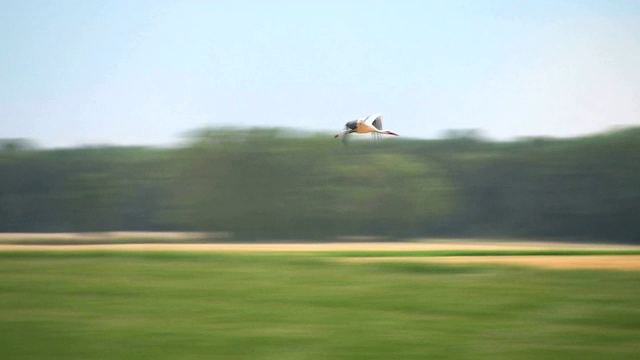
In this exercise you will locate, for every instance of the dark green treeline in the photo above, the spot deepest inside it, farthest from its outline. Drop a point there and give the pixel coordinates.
(277, 184)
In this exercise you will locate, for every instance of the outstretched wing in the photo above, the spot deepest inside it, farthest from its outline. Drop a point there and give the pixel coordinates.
(374, 120)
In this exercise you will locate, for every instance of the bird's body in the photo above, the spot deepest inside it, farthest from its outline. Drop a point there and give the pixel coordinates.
(369, 125)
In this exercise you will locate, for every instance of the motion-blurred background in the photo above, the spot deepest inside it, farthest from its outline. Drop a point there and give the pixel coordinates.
(277, 184)
(518, 119)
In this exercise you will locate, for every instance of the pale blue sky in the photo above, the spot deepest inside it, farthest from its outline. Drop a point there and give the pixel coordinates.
(145, 72)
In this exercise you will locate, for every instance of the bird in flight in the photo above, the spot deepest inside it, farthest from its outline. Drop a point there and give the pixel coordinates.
(371, 124)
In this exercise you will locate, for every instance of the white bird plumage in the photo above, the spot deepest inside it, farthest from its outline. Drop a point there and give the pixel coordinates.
(371, 124)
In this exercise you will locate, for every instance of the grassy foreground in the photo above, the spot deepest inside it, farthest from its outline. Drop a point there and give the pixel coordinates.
(163, 305)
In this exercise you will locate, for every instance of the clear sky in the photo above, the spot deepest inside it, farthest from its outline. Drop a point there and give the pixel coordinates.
(146, 71)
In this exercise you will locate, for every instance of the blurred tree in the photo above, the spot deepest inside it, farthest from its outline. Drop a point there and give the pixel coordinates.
(264, 182)
(277, 183)
(16, 145)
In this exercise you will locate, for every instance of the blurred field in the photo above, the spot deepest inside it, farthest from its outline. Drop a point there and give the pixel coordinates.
(204, 305)
(549, 254)
(622, 262)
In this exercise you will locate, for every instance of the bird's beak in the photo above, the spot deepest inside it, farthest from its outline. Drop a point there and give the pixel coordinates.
(392, 133)
(337, 136)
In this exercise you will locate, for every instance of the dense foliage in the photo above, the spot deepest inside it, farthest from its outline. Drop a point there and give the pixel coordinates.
(274, 183)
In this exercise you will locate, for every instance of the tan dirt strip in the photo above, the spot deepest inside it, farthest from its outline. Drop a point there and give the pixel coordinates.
(554, 261)
(329, 246)
(620, 262)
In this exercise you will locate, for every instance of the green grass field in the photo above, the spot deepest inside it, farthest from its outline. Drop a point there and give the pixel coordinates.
(180, 305)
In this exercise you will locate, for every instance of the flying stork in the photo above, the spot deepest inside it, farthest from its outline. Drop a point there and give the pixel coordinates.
(371, 124)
